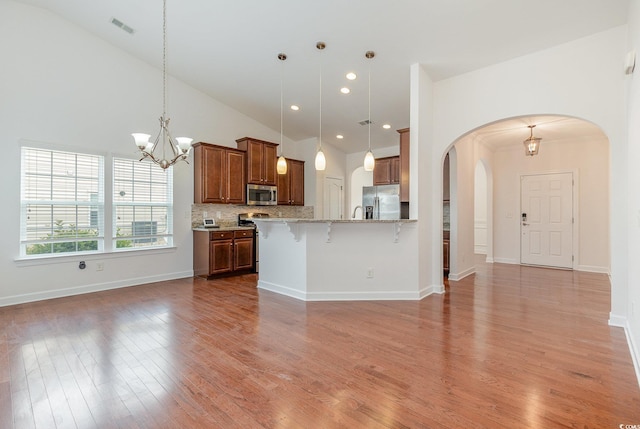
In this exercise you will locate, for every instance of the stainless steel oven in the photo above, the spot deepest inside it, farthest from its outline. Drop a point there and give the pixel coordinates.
(262, 195)
(246, 219)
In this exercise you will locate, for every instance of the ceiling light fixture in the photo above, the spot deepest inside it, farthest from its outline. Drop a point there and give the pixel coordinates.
(386, 126)
(532, 144)
(345, 90)
(181, 147)
(281, 165)
(321, 161)
(339, 136)
(369, 160)
(295, 107)
(351, 76)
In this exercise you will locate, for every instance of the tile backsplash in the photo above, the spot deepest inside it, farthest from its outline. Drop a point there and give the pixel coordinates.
(227, 214)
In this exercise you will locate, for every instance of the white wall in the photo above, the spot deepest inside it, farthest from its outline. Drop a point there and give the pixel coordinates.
(314, 180)
(582, 79)
(631, 216)
(61, 85)
(590, 163)
(461, 176)
(480, 209)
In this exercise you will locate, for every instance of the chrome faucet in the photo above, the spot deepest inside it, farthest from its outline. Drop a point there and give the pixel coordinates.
(353, 216)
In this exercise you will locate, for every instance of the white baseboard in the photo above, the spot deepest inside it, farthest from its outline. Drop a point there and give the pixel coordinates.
(623, 323)
(459, 276)
(272, 287)
(351, 296)
(506, 261)
(97, 287)
(593, 269)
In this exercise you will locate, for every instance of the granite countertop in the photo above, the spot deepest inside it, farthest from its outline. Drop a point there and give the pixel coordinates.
(222, 228)
(295, 220)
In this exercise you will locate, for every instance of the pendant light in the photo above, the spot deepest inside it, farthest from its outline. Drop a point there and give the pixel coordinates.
(532, 144)
(281, 166)
(181, 147)
(369, 160)
(321, 161)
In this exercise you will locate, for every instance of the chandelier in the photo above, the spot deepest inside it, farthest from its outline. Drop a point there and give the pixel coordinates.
(180, 147)
(532, 144)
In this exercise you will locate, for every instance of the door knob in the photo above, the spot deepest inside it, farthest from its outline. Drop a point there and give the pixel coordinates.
(525, 224)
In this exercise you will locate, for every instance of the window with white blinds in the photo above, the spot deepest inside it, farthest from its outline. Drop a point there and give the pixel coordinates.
(142, 205)
(62, 202)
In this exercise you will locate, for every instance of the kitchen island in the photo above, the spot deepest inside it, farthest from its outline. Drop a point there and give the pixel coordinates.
(340, 260)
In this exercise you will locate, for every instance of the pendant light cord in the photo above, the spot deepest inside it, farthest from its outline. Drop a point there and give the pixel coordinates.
(369, 93)
(164, 58)
(320, 131)
(164, 121)
(281, 102)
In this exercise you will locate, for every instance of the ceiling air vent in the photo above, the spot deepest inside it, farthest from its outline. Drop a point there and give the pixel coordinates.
(365, 122)
(121, 25)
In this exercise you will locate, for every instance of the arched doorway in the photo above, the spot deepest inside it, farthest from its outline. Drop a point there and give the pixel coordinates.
(496, 149)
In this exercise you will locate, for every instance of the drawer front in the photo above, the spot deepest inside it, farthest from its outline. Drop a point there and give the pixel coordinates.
(221, 235)
(241, 233)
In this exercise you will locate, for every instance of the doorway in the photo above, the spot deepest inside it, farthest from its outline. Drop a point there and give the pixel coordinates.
(333, 197)
(546, 220)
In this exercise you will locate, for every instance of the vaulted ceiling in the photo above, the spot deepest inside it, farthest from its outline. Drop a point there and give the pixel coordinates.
(228, 49)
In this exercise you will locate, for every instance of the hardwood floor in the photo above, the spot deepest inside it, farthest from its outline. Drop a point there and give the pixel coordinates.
(510, 347)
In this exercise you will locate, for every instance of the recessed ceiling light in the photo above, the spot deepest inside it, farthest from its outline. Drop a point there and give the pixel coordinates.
(345, 90)
(340, 136)
(351, 76)
(386, 126)
(294, 107)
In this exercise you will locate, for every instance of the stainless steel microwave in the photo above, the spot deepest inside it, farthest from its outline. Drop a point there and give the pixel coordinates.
(262, 195)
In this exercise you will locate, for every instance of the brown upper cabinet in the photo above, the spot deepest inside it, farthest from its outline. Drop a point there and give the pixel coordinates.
(261, 160)
(219, 175)
(387, 171)
(404, 165)
(291, 184)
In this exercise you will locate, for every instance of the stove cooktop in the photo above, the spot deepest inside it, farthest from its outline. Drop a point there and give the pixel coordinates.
(246, 219)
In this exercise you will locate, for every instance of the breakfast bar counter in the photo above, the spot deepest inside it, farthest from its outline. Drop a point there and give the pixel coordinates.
(337, 260)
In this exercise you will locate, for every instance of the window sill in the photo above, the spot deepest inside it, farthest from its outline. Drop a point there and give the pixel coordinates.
(27, 261)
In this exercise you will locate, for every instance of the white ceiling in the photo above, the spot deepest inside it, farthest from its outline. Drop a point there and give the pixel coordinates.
(509, 134)
(228, 49)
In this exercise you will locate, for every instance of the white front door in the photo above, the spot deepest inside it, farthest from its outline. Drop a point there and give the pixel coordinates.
(546, 220)
(333, 196)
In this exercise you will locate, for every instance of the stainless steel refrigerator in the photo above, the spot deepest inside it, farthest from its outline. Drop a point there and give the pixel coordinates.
(381, 202)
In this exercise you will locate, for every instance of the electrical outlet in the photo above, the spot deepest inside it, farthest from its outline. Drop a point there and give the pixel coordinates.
(218, 214)
(99, 266)
(369, 273)
(205, 215)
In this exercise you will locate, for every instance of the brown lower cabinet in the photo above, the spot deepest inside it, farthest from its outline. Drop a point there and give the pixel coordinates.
(223, 253)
